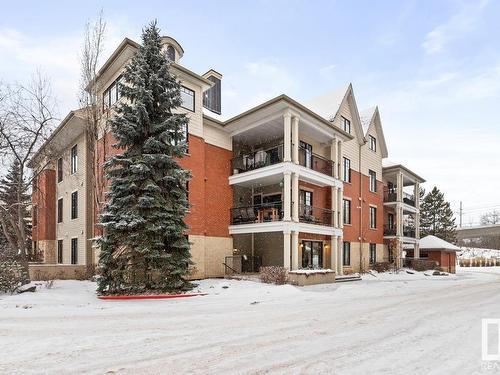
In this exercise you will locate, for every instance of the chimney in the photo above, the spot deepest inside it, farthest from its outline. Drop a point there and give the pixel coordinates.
(212, 97)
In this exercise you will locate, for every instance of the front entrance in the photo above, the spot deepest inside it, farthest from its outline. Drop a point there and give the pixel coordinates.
(312, 254)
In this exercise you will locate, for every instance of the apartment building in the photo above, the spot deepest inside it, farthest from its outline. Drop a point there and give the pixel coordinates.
(301, 186)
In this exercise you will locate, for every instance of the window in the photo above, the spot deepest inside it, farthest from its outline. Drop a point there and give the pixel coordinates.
(112, 93)
(305, 154)
(60, 210)
(390, 221)
(373, 217)
(373, 181)
(312, 254)
(347, 211)
(171, 53)
(59, 170)
(346, 175)
(305, 202)
(187, 97)
(74, 250)
(373, 143)
(35, 216)
(74, 205)
(346, 125)
(74, 159)
(373, 253)
(59, 251)
(346, 251)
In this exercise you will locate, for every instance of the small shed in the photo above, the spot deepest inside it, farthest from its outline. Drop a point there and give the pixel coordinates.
(440, 251)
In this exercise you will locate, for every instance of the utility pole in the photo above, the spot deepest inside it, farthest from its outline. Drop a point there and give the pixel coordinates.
(461, 214)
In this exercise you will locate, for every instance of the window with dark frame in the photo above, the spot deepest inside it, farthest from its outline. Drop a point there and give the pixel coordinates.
(373, 217)
(346, 252)
(74, 250)
(346, 175)
(35, 216)
(112, 94)
(373, 253)
(59, 170)
(346, 125)
(306, 202)
(187, 97)
(373, 181)
(74, 159)
(59, 251)
(60, 210)
(307, 150)
(373, 143)
(74, 205)
(346, 210)
(171, 53)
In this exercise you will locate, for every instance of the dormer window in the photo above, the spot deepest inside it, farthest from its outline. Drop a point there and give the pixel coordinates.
(171, 53)
(346, 124)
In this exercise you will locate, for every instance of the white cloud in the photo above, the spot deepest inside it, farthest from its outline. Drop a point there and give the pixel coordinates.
(327, 71)
(464, 20)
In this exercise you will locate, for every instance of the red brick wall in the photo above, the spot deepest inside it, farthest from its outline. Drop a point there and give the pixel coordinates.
(44, 197)
(210, 195)
(360, 219)
(321, 195)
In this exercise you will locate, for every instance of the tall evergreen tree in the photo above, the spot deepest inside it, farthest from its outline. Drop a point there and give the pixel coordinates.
(144, 247)
(16, 200)
(437, 217)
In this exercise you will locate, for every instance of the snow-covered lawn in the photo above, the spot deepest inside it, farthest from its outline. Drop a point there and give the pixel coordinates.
(391, 324)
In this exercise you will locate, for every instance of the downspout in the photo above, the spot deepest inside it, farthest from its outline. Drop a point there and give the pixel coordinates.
(360, 212)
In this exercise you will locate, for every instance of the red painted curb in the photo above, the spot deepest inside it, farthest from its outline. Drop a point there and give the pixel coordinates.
(149, 296)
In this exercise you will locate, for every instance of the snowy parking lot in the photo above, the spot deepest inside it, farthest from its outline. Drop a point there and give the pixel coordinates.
(391, 324)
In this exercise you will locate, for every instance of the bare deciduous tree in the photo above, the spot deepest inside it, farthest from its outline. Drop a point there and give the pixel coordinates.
(490, 218)
(89, 97)
(26, 120)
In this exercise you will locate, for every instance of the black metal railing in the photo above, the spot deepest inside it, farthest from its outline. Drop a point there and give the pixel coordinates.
(260, 213)
(257, 159)
(389, 230)
(316, 162)
(242, 264)
(315, 215)
(409, 231)
(391, 195)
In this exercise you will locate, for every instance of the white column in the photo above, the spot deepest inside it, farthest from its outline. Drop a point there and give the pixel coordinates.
(417, 225)
(340, 196)
(295, 250)
(295, 197)
(286, 250)
(334, 253)
(416, 251)
(339, 158)
(334, 155)
(295, 139)
(286, 196)
(400, 186)
(416, 193)
(340, 247)
(399, 220)
(287, 136)
(335, 207)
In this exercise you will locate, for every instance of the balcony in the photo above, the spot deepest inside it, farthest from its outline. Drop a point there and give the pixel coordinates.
(392, 196)
(258, 159)
(409, 231)
(389, 230)
(315, 162)
(260, 213)
(316, 215)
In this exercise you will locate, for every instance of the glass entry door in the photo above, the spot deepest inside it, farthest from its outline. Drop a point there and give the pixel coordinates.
(312, 254)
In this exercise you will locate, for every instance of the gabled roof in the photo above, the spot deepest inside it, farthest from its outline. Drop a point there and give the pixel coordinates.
(372, 116)
(435, 243)
(328, 106)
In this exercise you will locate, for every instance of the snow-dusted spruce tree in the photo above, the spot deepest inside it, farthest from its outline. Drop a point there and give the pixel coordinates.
(144, 248)
(437, 217)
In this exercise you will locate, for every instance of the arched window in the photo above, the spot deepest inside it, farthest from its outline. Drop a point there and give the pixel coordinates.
(171, 53)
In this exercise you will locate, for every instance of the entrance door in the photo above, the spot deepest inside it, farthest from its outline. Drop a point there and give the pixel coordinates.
(312, 254)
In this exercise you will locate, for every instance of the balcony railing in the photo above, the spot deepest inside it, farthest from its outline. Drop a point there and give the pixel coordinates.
(315, 215)
(315, 162)
(258, 159)
(409, 231)
(389, 230)
(392, 196)
(261, 213)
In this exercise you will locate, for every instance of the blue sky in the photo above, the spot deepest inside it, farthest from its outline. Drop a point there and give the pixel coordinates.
(433, 67)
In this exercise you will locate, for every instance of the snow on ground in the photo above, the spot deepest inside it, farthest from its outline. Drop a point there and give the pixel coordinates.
(390, 323)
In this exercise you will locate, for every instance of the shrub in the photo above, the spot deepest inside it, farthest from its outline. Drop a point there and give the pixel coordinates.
(382, 266)
(12, 276)
(273, 275)
(423, 264)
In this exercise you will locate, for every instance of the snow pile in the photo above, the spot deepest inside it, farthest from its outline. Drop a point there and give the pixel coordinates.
(476, 252)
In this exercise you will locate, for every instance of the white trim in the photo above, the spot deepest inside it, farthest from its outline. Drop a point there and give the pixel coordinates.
(406, 207)
(285, 227)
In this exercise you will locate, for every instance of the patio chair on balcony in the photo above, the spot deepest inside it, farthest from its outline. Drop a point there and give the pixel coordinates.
(250, 215)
